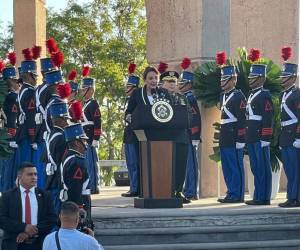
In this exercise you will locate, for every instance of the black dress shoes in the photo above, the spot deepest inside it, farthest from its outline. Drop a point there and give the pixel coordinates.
(258, 203)
(129, 194)
(230, 200)
(184, 199)
(288, 203)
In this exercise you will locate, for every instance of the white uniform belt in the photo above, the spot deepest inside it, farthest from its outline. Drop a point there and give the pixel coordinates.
(289, 122)
(255, 117)
(229, 120)
(87, 123)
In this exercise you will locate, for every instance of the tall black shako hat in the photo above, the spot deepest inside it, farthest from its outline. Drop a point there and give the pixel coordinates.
(227, 71)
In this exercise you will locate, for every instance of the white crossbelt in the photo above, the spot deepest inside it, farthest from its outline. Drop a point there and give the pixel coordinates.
(231, 118)
(22, 115)
(85, 120)
(48, 141)
(293, 119)
(251, 115)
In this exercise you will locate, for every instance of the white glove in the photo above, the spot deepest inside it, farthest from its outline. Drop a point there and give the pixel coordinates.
(195, 142)
(95, 144)
(38, 118)
(49, 169)
(34, 146)
(128, 118)
(296, 143)
(239, 145)
(13, 144)
(264, 143)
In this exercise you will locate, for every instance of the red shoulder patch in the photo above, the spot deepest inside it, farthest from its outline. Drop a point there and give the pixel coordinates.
(268, 106)
(14, 108)
(242, 104)
(31, 104)
(78, 174)
(298, 106)
(97, 113)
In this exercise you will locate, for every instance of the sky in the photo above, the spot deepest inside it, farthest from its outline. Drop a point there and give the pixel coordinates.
(6, 8)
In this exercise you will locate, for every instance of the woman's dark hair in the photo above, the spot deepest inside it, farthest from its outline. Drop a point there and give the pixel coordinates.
(149, 69)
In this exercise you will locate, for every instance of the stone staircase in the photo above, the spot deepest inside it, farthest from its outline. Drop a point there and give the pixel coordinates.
(180, 229)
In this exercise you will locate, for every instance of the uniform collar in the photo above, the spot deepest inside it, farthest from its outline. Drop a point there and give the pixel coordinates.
(73, 151)
(59, 128)
(290, 88)
(28, 84)
(253, 91)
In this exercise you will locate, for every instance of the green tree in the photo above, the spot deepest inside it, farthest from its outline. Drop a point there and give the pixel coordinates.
(107, 34)
(6, 39)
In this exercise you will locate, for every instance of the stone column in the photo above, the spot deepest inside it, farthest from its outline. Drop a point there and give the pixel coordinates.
(29, 26)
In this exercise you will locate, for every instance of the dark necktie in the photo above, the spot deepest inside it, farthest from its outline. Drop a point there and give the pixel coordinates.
(27, 208)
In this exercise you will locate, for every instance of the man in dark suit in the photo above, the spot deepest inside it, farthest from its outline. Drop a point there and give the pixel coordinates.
(26, 213)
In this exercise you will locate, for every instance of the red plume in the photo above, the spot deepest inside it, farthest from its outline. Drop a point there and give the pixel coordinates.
(27, 54)
(72, 75)
(254, 55)
(12, 58)
(57, 58)
(2, 65)
(85, 70)
(186, 62)
(51, 46)
(162, 67)
(76, 110)
(36, 52)
(131, 68)
(221, 58)
(64, 90)
(286, 53)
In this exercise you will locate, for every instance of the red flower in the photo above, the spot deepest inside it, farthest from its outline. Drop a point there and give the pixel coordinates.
(254, 55)
(221, 58)
(12, 58)
(72, 75)
(2, 65)
(131, 68)
(286, 53)
(27, 54)
(85, 70)
(64, 90)
(36, 52)
(76, 110)
(162, 67)
(186, 62)
(51, 46)
(57, 58)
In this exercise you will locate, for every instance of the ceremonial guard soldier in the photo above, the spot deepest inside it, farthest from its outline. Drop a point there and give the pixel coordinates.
(130, 141)
(91, 123)
(10, 115)
(186, 87)
(42, 98)
(232, 133)
(74, 172)
(289, 139)
(169, 82)
(56, 148)
(259, 122)
(26, 137)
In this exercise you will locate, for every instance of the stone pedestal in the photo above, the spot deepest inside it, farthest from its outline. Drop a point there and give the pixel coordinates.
(29, 26)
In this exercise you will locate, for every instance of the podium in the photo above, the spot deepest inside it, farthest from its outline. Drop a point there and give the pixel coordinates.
(157, 141)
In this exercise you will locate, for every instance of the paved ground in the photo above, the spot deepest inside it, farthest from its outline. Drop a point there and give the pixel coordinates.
(110, 203)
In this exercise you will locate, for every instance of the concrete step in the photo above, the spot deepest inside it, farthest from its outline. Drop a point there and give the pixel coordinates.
(184, 218)
(198, 234)
(245, 245)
